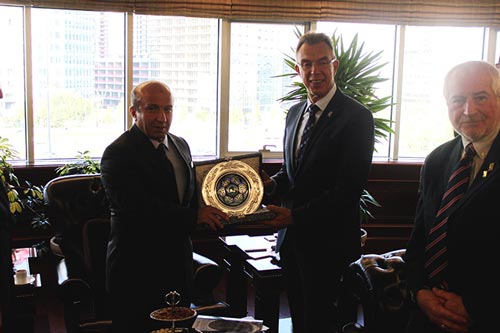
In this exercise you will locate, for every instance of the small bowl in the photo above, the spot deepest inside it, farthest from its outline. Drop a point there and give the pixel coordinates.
(182, 316)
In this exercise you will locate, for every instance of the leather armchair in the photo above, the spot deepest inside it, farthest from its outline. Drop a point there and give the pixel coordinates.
(79, 213)
(378, 283)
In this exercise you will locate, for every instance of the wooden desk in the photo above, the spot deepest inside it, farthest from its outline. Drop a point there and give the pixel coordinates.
(252, 257)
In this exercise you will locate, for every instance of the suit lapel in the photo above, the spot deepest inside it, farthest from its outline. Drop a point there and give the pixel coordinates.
(330, 116)
(292, 128)
(187, 164)
(488, 172)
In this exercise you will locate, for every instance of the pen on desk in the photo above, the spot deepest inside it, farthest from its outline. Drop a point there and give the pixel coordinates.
(256, 250)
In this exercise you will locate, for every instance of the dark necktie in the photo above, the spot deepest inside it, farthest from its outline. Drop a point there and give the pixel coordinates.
(169, 169)
(436, 249)
(306, 134)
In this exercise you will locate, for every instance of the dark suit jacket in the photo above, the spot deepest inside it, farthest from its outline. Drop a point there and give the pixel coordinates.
(6, 269)
(150, 250)
(473, 229)
(324, 191)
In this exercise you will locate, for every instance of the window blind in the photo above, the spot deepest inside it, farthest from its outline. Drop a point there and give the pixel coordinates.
(407, 12)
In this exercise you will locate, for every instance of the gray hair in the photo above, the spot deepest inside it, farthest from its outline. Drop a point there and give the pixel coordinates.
(474, 67)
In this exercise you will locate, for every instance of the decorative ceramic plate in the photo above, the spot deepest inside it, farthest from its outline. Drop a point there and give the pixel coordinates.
(233, 187)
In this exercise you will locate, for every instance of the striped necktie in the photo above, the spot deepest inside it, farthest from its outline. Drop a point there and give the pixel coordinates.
(436, 249)
(306, 134)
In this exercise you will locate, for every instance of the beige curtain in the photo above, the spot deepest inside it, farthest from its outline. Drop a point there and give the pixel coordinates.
(411, 12)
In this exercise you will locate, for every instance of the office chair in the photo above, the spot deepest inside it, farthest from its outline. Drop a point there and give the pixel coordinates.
(378, 282)
(78, 210)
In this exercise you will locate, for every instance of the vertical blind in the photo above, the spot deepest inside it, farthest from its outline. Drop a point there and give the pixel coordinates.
(410, 12)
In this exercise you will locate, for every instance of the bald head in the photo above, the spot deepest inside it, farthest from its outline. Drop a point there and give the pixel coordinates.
(152, 108)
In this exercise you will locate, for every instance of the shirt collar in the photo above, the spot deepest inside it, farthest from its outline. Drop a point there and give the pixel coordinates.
(324, 101)
(483, 146)
(157, 143)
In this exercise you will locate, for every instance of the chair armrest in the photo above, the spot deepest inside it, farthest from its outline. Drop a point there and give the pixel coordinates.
(206, 276)
(379, 282)
(77, 298)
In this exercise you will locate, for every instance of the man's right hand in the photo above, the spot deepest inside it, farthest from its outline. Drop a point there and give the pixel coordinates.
(212, 217)
(283, 217)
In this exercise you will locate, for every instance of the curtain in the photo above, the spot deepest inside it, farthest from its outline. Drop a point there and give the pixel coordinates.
(407, 12)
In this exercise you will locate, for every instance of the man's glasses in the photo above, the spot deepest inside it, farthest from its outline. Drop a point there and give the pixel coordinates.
(323, 63)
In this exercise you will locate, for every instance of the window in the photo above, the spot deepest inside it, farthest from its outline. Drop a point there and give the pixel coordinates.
(256, 117)
(78, 81)
(12, 105)
(428, 53)
(376, 38)
(183, 52)
(224, 76)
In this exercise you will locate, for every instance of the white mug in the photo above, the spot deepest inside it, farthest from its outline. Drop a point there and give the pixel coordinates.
(21, 276)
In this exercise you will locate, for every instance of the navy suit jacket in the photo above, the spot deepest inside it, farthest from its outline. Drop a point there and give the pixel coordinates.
(473, 229)
(150, 250)
(323, 192)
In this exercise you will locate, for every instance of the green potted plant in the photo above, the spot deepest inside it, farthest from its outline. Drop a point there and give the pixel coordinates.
(356, 76)
(84, 164)
(26, 200)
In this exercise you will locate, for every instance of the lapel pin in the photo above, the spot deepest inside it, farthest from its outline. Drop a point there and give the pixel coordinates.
(330, 114)
(491, 166)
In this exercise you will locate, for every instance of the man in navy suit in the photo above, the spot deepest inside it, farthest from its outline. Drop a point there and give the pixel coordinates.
(464, 302)
(319, 219)
(154, 207)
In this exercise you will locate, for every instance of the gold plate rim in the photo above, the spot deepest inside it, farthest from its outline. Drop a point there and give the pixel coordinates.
(256, 187)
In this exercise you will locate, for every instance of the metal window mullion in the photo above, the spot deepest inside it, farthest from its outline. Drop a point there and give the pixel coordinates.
(224, 69)
(28, 89)
(399, 91)
(129, 66)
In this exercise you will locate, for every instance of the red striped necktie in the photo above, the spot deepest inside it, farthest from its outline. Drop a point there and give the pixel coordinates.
(436, 249)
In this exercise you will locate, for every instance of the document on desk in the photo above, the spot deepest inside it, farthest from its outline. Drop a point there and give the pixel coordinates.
(250, 243)
(212, 324)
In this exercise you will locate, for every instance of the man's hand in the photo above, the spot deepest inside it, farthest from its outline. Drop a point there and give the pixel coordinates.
(444, 308)
(212, 217)
(283, 217)
(267, 181)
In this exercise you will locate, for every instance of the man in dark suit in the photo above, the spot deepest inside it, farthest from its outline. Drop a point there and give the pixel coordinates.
(6, 267)
(463, 298)
(151, 190)
(319, 219)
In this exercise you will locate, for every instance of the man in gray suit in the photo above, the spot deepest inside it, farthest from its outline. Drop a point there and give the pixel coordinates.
(320, 184)
(148, 176)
